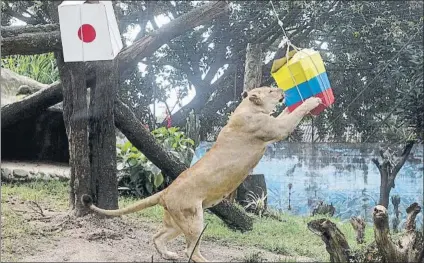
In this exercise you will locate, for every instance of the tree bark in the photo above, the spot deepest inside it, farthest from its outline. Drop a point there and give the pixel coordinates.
(389, 166)
(75, 114)
(409, 248)
(30, 40)
(253, 67)
(140, 137)
(104, 185)
(32, 105)
(335, 242)
(358, 225)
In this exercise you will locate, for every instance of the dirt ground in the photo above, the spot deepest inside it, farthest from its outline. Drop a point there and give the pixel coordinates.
(62, 238)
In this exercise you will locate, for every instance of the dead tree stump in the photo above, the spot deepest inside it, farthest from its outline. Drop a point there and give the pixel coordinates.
(335, 242)
(358, 224)
(409, 248)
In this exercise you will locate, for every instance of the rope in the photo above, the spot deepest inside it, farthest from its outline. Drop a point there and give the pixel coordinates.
(376, 76)
(287, 41)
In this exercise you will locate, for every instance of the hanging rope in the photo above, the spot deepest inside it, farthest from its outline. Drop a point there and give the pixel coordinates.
(286, 41)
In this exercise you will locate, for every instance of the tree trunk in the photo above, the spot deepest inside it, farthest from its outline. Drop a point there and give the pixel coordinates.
(253, 67)
(104, 184)
(75, 114)
(140, 137)
(389, 166)
(396, 202)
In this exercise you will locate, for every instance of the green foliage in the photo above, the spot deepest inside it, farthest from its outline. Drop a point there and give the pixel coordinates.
(41, 68)
(175, 142)
(140, 177)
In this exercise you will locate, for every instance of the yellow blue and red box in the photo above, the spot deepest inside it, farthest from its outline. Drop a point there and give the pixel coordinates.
(301, 77)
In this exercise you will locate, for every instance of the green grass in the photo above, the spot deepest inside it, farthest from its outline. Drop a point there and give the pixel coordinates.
(289, 237)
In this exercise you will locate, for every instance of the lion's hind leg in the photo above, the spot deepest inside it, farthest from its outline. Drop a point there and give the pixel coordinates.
(169, 231)
(190, 221)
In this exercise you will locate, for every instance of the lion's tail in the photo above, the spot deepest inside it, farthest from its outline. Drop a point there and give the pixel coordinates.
(137, 206)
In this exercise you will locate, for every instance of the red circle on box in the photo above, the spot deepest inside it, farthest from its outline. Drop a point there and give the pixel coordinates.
(87, 33)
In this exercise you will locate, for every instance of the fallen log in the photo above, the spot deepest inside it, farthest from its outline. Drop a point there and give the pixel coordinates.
(409, 247)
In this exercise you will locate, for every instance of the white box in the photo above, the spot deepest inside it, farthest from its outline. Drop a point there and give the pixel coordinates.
(89, 31)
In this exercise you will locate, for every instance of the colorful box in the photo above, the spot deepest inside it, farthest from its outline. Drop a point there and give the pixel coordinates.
(302, 77)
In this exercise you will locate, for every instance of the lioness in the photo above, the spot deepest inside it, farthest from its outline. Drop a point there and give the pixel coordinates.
(239, 147)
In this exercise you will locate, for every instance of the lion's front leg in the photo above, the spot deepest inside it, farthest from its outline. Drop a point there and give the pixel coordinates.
(286, 123)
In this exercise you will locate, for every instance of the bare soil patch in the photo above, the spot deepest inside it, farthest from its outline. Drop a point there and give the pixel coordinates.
(58, 237)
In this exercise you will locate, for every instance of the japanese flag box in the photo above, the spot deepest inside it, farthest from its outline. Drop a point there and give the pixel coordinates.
(302, 75)
(89, 31)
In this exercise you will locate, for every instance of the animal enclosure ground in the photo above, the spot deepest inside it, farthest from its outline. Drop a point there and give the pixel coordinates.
(36, 227)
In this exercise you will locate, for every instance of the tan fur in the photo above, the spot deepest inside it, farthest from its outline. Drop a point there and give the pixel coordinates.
(238, 149)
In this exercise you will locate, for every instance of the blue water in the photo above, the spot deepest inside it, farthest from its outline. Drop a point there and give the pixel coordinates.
(341, 174)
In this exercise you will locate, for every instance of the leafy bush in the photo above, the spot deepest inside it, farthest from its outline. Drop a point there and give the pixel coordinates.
(41, 68)
(140, 177)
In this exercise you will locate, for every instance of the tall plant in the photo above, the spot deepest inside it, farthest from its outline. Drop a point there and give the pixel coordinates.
(140, 177)
(42, 67)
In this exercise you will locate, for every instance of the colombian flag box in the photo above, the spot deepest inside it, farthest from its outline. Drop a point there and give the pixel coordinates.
(302, 75)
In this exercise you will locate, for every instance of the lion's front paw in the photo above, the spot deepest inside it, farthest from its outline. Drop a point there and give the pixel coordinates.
(312, 102)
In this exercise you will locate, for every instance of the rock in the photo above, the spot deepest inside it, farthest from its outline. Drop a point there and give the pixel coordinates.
(24, 90)
(32, 175)
(19, 173)
(41, 176)
(6, 174)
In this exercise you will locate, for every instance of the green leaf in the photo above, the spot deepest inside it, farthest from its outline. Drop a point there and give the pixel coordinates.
(158, 180)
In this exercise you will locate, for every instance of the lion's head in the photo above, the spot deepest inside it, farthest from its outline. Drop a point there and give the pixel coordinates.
(265, 98)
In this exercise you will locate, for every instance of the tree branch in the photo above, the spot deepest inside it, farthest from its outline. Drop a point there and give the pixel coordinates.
(30, 40)
(130, 56)
(401, 161)
(12, 13)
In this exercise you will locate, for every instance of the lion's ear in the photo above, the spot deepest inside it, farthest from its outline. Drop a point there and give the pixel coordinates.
(244, 94)
(255, 99)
